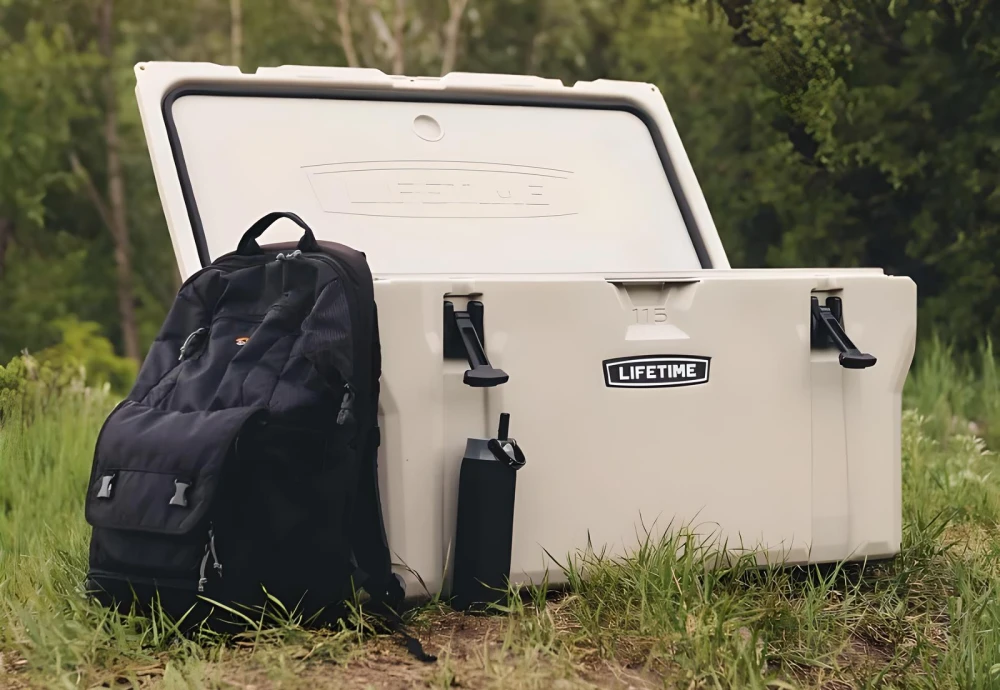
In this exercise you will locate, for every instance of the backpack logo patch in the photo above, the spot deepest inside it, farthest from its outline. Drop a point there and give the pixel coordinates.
(242, 341)
(656, 371)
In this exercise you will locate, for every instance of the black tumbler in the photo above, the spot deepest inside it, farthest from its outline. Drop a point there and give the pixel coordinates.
(485, 522)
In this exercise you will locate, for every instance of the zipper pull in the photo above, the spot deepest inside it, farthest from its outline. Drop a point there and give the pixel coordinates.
(188, 341)
(291, 255)
(202, 580)
(216, 563)
(346, 413)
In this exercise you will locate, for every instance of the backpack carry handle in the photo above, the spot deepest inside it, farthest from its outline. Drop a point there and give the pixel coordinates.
(248, 243)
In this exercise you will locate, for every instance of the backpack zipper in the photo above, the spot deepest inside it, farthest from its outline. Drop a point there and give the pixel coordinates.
(216, 564)
(346, 413)
(172, 582)
(189, 341)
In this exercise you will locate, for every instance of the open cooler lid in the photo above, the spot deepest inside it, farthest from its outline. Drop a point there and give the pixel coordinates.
(469, 174)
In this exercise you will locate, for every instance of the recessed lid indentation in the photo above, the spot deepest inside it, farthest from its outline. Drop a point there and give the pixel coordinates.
(427, 128)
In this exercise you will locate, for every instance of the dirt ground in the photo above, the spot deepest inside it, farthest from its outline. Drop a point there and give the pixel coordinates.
(470, 654)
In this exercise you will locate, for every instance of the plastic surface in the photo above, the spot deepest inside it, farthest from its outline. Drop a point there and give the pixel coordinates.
(782, 449)
(467, 174)
(750, 435)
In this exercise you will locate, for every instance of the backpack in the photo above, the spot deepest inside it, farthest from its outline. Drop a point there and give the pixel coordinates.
(242, 464)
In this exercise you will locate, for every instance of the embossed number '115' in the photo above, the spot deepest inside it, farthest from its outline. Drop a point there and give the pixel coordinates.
(650, 314)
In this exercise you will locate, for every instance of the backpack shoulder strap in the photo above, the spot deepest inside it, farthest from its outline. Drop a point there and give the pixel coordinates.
(383, 604)
(368, 536)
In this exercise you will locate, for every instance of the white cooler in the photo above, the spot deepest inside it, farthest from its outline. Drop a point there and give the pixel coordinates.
(650, 385)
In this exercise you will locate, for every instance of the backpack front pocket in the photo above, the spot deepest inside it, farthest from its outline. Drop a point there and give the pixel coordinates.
(155, 483)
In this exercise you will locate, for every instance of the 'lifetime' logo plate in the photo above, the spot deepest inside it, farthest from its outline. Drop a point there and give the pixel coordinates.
(656, 371)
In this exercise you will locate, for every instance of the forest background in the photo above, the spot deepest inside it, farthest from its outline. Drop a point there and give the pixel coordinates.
(824, 133)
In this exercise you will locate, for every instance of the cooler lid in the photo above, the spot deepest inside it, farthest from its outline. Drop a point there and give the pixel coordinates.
(469, 174)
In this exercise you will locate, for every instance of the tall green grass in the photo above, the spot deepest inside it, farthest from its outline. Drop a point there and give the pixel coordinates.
(928, 619)
(955, 389)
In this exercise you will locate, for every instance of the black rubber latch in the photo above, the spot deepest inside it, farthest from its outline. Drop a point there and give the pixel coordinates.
(464, 329)
(828, 331)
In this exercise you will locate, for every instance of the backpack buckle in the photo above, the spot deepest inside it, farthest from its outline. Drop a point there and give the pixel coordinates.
(180, 494)
(107, 484)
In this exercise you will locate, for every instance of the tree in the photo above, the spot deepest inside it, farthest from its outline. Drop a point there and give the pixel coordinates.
(421, 37)
(61, 206)
(236, 32)
(39, 96)
(114, 211)
(894, 107)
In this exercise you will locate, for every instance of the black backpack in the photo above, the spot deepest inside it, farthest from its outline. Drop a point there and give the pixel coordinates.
(242, 464)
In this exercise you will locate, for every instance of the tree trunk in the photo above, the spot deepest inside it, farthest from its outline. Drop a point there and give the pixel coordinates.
(398, 35)
(537, 38)
(236, 32)
(456, 10)
(347, 33)
(6, 230)
(116, 190)
(382, 31)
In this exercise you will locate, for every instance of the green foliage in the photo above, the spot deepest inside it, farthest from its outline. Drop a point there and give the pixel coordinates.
(39, 80)
(56, 254)
(82, 363)
(824, 132)
(748, 168)
(893, 107)
(13, 382)
(83, 348)
(39, 289)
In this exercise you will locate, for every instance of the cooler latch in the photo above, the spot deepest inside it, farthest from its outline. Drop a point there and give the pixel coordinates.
(463, 339)
(828, 331)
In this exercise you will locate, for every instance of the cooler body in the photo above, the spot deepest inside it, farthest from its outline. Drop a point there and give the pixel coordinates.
(717, 415)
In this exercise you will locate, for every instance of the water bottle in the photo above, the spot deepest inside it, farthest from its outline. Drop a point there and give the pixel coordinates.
(485, 525)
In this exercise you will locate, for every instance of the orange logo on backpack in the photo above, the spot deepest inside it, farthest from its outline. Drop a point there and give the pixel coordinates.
(242, 341)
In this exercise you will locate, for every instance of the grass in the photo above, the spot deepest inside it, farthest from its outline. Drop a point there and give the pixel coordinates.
(661, 618)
